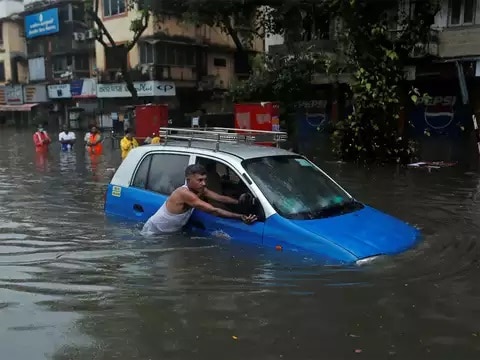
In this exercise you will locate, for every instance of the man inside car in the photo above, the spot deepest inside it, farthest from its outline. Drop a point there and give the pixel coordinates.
(177, 209)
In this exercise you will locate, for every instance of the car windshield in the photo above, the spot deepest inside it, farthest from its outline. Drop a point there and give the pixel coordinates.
(297, 189)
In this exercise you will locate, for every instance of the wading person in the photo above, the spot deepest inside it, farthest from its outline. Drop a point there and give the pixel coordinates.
(41, 139)
(177, 209)
(128, 143)
(66, 138)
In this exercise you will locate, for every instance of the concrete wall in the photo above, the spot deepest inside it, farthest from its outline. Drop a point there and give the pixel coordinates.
(13, 43)
(457, 40)
(119, 28)
(9, 7)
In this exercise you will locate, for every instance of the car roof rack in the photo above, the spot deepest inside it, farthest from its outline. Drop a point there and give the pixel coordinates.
(221, 135)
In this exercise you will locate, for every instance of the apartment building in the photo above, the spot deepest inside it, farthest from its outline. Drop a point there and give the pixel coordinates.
(447, 66)
(196, 63)
(12, 61)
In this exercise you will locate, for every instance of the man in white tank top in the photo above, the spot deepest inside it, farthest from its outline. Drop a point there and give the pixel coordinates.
(177, 209)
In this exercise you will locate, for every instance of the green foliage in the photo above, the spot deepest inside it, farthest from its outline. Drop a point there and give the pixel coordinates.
(372, 50)
(379, 54)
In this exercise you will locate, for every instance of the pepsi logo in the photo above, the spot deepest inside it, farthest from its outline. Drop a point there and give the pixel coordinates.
(439, 111)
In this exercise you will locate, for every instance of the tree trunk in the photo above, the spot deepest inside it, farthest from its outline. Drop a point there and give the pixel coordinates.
(127, 78)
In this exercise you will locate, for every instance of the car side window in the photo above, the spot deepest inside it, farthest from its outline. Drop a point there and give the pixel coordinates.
(167, 172)
(223, 180)
(140, 179)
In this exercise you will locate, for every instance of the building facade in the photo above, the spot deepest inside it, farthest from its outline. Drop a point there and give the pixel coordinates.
(447, 66)
(199, 62)
(52, 68)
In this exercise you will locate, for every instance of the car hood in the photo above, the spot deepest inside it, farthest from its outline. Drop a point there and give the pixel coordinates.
(364, 233)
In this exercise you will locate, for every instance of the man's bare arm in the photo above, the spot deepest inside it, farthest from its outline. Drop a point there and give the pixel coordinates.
(195, 202)
(220, 198)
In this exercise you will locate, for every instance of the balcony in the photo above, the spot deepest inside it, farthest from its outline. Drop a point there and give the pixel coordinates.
(319, 46)
(72, 39)
(420, 50)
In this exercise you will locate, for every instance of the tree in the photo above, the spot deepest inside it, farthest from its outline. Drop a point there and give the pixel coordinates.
(369, 49)
(377, 55)
(104, 37)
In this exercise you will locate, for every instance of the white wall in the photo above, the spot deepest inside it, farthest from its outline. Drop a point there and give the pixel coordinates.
(272, 40)
(441, 18)
(9, 7)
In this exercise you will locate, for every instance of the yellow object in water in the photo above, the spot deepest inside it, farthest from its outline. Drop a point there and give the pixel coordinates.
(126, 145)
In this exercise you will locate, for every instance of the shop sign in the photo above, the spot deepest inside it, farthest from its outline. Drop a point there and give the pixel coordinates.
(144, 89)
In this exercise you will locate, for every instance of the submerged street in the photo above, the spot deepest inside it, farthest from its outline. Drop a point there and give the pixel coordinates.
(77, 285)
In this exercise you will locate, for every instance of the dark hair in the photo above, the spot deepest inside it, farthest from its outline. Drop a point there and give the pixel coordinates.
(195, 169)
(128, 131)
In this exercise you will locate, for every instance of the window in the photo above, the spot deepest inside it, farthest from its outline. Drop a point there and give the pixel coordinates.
(146, 53)
(220, 62)
(113, 7)
(2, 71)
(279, 179)
(61, 63)
(63, 14)
(462, 12)
(114, 57)
(223, 180)
(175, 55)
(82, 62)
(140, 179)
(167, 172)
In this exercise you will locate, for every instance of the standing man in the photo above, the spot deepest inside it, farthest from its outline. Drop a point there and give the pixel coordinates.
(67, 138)
(177, 209)
(128, 143)
(41, 139)
(94, 143)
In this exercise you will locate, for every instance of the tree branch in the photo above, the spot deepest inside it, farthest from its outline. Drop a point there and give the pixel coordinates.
(103, 30)
(232, 32)
(99, 38)
(144, 20)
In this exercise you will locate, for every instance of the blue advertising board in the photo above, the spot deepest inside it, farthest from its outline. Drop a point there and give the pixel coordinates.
(42, 23)
(443, 114)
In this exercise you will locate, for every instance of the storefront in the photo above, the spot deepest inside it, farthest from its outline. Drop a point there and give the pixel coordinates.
(85, 107)
(116, 100)
(61, 97)
(15, 111)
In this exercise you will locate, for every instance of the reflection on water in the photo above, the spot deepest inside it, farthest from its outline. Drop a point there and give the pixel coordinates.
(76, 285)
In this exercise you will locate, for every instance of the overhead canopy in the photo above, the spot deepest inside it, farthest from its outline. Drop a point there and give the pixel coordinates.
(23, 107)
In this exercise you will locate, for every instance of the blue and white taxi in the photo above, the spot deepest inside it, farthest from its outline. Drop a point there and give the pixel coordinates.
(299, 207)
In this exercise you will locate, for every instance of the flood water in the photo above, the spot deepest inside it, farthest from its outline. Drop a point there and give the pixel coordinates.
(77, 285)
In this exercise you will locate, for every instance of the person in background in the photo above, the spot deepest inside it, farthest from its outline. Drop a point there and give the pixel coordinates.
(128, 143)
(155, 139)
(87, 135)
(41, 139)
(94, 143)
(67, 138)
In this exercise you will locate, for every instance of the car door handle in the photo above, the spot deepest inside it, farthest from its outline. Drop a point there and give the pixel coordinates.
(138, 208)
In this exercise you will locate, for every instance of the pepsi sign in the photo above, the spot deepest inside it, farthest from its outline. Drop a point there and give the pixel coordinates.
(439, 111)
(439, 115)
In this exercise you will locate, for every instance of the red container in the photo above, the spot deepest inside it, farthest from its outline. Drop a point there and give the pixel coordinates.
(258, 116)
(149, 119)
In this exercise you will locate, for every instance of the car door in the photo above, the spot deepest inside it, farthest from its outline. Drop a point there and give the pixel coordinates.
(155, 178)
(227, 182)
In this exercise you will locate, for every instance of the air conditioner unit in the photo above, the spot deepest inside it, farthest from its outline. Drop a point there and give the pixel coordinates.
(90, 34)
(164, 72)
(78, 36)
(219, 84)
(145, 68)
